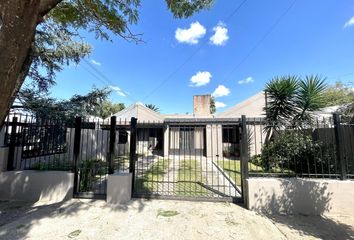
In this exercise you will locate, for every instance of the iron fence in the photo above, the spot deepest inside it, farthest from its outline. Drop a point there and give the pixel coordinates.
(320, 148)
(188, 159)
(183, 158)
(37, 144)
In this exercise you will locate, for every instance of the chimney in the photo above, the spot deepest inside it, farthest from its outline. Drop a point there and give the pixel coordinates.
(201, 105)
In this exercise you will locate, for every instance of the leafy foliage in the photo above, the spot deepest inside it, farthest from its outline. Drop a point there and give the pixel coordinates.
(153, 107)
(309, 96)
(338, 94)
(185, 8)
(295, 150)
(54, 47)
(108, 108)
(292, 100)
(99, 17)
(212, 105)
(58, 42)
(280, 98)
(94, 103)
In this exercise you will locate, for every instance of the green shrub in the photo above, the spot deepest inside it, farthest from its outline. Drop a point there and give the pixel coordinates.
(51, 165)
(256, 160)
(296, 151)
(90, 171)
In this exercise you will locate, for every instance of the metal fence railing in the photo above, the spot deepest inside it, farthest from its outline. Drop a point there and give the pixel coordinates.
(321, 148)
(230, 149)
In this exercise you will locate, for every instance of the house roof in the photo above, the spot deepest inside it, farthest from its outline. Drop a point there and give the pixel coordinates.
(139, 111)
(251, 107)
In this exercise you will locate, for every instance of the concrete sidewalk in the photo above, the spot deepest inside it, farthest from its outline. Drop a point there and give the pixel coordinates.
(163, 219)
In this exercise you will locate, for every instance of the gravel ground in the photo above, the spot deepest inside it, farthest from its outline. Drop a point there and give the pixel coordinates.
(161, 219)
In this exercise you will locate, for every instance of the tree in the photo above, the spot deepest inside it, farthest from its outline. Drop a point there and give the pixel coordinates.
(338, 94)
(292, 100)
(108, 108)
(153, 107)
(44, 34)
(212, 105)
(280, 92)
(94, 103)
(309, 96)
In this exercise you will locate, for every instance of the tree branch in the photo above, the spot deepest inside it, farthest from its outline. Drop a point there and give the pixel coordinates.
(47, 5)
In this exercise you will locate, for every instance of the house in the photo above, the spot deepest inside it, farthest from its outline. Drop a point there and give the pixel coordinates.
(199, 133)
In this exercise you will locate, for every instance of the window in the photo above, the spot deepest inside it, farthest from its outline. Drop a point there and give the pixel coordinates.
(122, 136)
(230, 135)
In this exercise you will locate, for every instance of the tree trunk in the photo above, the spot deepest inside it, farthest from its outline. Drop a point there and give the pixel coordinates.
(18, 21)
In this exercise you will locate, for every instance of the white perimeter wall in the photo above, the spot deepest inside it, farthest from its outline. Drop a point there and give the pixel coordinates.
(300, 196)
(52, 186)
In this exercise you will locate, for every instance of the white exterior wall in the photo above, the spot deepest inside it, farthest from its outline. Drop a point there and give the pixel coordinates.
(258, 138)
(52, 186)
(166, 141)
(214, 145)
(300, 196)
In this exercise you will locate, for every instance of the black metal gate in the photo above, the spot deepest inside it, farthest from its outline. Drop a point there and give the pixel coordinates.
(189, 159)
(101, 147)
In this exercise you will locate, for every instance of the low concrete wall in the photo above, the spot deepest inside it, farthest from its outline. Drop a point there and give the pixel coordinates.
(119, 188)
(52, 186)
(300, 196)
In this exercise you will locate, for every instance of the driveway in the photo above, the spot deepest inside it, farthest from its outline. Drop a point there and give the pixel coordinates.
(162, 219)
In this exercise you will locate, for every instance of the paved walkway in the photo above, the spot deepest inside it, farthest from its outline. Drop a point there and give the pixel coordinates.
(214, 180)
(158, 219)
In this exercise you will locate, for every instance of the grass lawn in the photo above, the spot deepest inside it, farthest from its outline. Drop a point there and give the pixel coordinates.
(153, 177)
(190, 179)
(233, 169)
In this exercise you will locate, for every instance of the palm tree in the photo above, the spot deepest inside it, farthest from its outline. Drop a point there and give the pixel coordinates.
(153, 107)
(309, 97)
(291, 99)
(280, 92)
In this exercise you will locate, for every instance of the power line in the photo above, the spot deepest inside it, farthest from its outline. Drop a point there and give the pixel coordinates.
(101, 77)
(270, 30)
(163, 82)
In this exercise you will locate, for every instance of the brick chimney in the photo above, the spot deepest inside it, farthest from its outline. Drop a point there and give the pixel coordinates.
(201, 104)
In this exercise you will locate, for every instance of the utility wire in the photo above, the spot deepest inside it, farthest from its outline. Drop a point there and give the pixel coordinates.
(163, 82)
(270, 30)
(102, 78)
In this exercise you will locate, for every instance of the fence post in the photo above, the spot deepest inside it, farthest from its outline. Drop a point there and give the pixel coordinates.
(244, 157)
(132, 155)
(77, 142)
(339, 146)
(12, 145)
(112, 142)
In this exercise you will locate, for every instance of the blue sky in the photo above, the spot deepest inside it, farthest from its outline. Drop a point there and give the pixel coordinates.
(215, 49)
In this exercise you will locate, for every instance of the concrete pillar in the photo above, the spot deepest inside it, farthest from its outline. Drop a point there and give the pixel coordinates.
(218, 140)
(2, 135)
(214, 140)
(4, 152)
(166, 141)
(209, 150)
(119, 188)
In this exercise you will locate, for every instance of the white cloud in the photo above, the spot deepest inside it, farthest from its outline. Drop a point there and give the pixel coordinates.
(200, 79)
(220, 105)
(221, 91)
(119, 91)
(190, 35)
(245, 81)
(220, 36)
(349, 23)
(96, 63)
